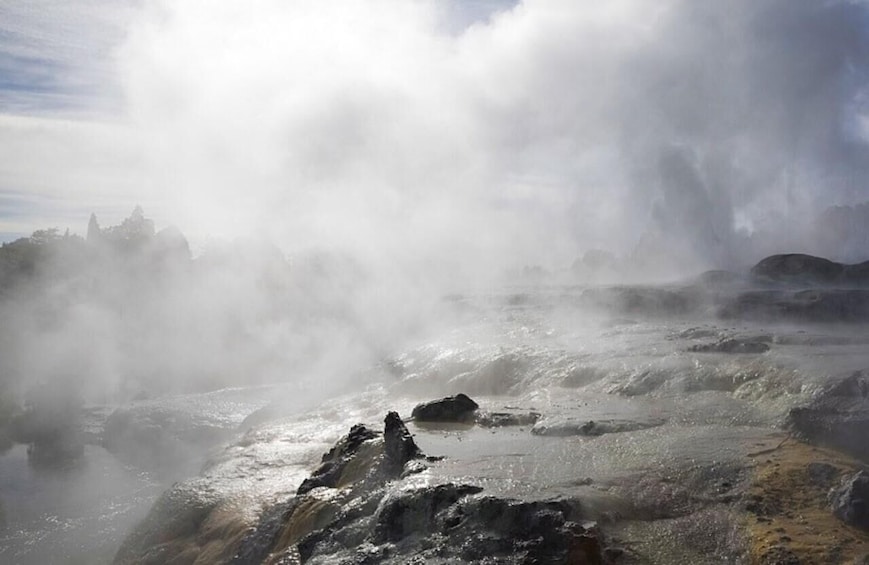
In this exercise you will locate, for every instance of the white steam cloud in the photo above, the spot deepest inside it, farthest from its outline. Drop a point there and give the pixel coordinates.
(471, 136)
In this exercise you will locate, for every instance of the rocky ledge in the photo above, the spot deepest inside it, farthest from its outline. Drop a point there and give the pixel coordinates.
(361, 505)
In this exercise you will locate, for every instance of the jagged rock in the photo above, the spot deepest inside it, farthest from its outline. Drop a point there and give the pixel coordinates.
(415, 511)
(370, 521)
(850, 500)
(458, 408)
(333, 463)
(838, 416)
(563, 427)
(731, 345)
(399, 447)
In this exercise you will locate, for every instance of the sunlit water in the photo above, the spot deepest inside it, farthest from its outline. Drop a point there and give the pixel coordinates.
(517, 351)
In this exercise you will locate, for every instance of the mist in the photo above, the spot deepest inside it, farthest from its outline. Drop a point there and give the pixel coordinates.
(368, 159)
(530, 137)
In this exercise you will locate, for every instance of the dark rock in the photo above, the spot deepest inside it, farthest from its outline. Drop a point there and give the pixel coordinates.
(798, 267)
(837, 417)
(399, 447)
(458, 408)
(51, 424)
(255, 547)
(333, 463)
(563, 427)
(731, 345)
(371, 522)
(816, 305)
(415, 511)
(850, 500)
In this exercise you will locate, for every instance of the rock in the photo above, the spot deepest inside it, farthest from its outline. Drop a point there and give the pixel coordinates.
(399, 447)
(816, 305)
(837, 417)
(334, 463)
(850, 500)
(731, 345)
(415, 511)
(718, 278)
(458, 408)
(651, 301)
(52, 426)
(501, 419)
(186, 523)
(563, 427)
(372, 519)
(798, 268)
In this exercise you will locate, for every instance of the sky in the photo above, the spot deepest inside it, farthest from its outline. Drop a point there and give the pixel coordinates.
(438, 131)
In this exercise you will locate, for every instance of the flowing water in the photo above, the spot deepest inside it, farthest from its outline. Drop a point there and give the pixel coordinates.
(670, 412)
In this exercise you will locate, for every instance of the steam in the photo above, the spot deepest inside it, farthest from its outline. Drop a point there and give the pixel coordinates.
(549, 129)
(396, 150)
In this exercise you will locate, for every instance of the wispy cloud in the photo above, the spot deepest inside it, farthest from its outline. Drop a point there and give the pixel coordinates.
(57, 57)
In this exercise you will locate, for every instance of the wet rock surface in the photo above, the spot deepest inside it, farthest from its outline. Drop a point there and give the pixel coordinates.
(458, 408)
(732, 345)
(563, 427)
(172, 436)
(812, 305)
(358, 515)
(850, 500)
(837, 417)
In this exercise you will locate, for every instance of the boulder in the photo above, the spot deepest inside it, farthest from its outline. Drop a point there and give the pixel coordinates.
(458, 408)
(850, 500)
(837, 417)
(798, 268)
(399, 447)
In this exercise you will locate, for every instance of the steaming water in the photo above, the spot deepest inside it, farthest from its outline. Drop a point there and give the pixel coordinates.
(74, 516)
(519, 351)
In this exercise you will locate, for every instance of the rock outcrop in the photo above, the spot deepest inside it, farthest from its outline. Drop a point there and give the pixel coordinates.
(359, 506)
(850, 500)
(458, 408)
(837, 417)
(799, 268)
